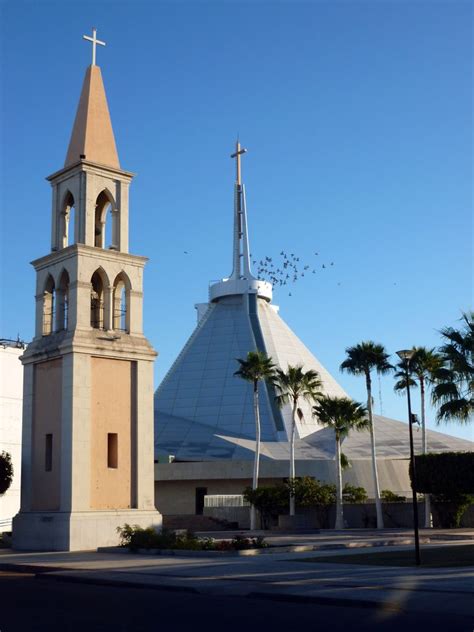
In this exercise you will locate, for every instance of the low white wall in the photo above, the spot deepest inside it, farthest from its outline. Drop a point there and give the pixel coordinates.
(11, 406)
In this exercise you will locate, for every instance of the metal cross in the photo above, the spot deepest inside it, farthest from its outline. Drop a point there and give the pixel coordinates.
(237, 154)
(94, 41)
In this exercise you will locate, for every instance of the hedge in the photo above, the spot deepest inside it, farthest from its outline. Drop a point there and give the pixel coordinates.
(447, 474)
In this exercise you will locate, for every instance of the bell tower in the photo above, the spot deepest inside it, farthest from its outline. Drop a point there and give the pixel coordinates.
(87, 462)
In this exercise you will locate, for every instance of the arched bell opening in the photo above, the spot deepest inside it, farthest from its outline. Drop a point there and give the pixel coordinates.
(97, 300)
(106, 227)
(121, 303)
(67, 221)
(62, 300)
(49, 306)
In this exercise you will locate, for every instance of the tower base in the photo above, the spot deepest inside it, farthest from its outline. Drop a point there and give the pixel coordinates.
(76, 531)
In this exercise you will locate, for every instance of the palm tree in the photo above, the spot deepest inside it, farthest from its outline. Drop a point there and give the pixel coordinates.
(424, 365)
(454, 389)
(291, 386)
(361, 360)
(343, 415)
(255, 368)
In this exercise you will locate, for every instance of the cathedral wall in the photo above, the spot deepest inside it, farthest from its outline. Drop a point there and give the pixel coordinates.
(113, 396)
(47, 404)
(179, 497)
(176, 483)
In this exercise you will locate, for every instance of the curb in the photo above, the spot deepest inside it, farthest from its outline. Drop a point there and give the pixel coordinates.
(32, 569)
(327, 601)
(306, 599)
(270, 550)
(121, 583)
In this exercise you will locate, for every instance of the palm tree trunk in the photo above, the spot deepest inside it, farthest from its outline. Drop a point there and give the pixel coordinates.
(378, 504)
(256, 463)
(292, 459)
(424, 442)
(339, 508)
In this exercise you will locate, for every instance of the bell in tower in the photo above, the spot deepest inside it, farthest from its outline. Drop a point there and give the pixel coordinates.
(87, 462)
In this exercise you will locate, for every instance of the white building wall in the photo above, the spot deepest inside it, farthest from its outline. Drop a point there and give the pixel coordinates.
(11, 404)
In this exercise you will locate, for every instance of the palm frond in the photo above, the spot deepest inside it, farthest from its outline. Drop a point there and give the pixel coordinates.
(342, 414)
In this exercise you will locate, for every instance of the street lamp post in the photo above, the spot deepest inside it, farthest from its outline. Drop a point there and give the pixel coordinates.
(406, 355)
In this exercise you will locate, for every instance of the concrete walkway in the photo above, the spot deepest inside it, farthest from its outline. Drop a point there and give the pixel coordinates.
(282, 575)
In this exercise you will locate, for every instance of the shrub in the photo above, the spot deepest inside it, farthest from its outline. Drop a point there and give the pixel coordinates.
(310, 492)
(352, 494)
(270, 501)
(239, 543)
(135, 538)
(6, 472)
(449, 473)
(450, 509)
(449, 477)
(387, 496)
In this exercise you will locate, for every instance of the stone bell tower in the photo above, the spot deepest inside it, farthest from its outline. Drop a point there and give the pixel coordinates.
(87, 463)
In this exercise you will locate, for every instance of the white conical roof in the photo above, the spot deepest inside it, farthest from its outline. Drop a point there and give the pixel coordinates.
(201, 388)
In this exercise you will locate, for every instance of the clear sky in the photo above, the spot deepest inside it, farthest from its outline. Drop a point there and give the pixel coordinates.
(357, 117)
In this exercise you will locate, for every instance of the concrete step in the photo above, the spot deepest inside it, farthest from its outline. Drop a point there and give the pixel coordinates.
(196, 523)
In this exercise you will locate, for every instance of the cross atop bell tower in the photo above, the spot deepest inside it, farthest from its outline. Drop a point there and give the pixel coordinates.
(94, 41)
(88, 373)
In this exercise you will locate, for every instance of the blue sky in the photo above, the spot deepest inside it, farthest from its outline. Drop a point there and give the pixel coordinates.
(358, 121)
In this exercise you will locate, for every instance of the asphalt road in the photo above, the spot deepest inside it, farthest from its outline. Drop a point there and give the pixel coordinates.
(32, 604)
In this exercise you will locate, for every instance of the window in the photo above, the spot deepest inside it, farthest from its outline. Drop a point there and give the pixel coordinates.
(48, 453)
(112, 450)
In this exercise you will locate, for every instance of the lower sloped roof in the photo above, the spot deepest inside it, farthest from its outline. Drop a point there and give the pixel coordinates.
(189, 440)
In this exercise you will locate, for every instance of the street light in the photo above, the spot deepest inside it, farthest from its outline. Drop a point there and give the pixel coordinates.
(407, 355)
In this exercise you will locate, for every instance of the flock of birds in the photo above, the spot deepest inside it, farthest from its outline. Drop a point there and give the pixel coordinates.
(288, 270)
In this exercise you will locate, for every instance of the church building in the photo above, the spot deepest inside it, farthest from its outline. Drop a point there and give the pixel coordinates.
(204, 418)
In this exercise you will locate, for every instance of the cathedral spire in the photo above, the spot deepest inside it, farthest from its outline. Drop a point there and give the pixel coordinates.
(241, 281)
(241, 267)
(92, 135)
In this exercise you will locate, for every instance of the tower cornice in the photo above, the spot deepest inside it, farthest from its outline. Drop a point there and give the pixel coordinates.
(91, 167)
(100, 254)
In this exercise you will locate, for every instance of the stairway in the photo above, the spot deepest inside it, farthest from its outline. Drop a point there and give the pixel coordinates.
(196, 523)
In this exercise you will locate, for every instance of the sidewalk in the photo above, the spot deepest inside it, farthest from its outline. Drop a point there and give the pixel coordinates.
(282, 575)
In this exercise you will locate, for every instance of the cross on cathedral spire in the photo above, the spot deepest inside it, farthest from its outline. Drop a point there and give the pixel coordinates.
(238, 152)
(94, 41)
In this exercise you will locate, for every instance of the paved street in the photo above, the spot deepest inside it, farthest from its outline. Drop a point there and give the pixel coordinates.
(29, 604)
(283, 575)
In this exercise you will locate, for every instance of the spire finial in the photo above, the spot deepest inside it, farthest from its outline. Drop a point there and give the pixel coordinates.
(238, 152)
(94, 41)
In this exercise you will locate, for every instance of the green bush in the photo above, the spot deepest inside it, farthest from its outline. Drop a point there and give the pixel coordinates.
(239, 543)
(450, 509)
(270, 502)
(135, 538)
(447, 474)
(449, 477)
(310, 493)
(387, 496)
(6, 472)
(352, 494)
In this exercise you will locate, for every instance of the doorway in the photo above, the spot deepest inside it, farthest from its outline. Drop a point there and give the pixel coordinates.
(200, 493)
